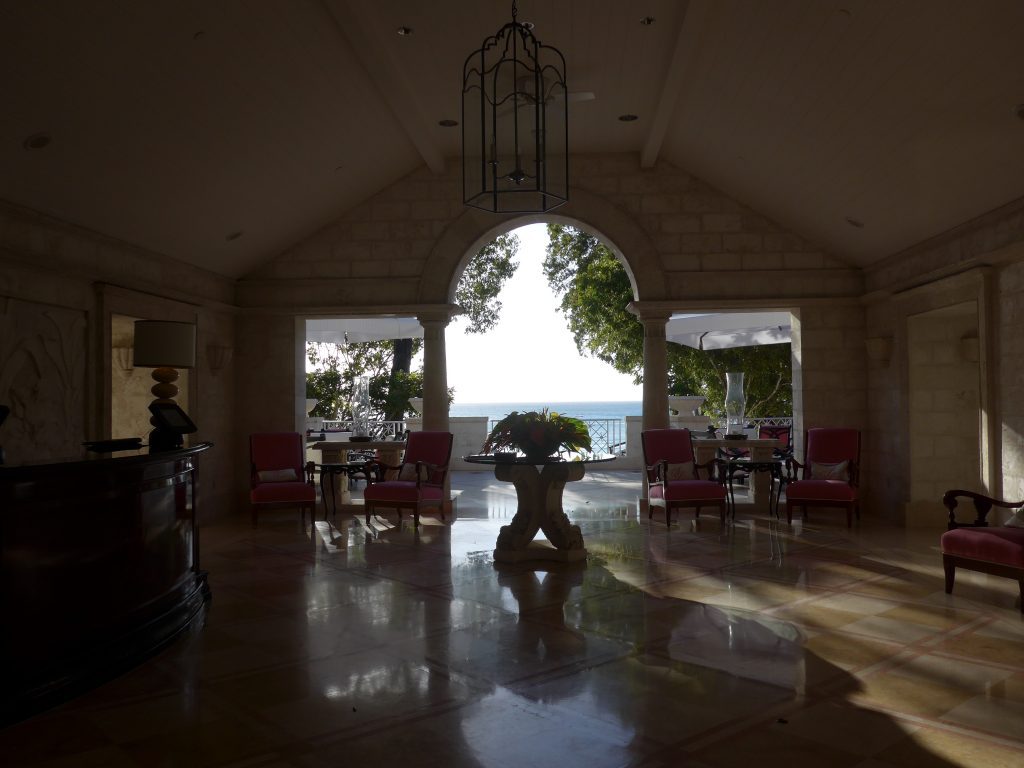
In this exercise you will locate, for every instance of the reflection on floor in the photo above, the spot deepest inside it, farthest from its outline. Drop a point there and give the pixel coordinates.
(694, 645)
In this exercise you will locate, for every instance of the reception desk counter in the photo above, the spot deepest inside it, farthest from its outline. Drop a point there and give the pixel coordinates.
(99, 569)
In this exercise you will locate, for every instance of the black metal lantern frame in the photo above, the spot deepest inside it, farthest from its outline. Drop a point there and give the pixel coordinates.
(515, 124)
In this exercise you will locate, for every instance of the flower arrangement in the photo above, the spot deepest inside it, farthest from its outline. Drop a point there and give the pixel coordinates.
(538, 434)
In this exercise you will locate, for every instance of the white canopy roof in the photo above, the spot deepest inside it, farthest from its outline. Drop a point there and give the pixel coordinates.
(360, 329)
(725, 330)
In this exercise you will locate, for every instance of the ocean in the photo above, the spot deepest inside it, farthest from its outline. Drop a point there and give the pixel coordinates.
(616, 410)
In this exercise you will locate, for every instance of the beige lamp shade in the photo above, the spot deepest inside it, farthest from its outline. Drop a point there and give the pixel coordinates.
(164, 344)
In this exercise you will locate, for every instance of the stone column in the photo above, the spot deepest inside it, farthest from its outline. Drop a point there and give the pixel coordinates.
(655, 369)
(435, 370)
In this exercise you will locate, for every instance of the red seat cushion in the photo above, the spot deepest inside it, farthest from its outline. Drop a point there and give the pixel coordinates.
(402, 491)
(688, 490)
(270, 493)
(820, 490)
(1000, 545)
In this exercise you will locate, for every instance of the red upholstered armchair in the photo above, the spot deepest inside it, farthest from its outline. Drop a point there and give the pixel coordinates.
(672, 479)
(997, 549)
(281, 477)
(417, 483)
(828, 473)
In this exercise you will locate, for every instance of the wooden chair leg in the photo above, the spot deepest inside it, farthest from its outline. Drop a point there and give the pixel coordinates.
(950, 569)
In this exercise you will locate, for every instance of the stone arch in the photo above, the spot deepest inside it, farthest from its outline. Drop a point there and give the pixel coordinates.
(474, 228)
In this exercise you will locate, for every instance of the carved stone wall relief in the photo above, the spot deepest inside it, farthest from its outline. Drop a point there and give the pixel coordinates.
(43, 352)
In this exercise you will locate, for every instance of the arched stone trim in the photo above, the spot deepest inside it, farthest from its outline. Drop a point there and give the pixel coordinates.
(473, 229)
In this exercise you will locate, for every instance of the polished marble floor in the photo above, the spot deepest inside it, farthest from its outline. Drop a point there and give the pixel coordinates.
(697, 645)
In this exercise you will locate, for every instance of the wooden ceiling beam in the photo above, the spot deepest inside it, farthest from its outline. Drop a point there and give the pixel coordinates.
(684, 55)
(356, 23)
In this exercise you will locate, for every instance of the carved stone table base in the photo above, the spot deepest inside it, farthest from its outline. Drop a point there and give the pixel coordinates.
(539, 495)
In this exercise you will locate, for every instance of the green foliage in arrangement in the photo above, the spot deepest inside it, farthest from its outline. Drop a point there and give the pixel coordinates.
(538, 433)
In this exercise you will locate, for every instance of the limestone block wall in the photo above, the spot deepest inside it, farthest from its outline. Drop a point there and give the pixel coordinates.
(59, 288)
(685, 243)
(681, 238)
(980, 261)
(944, 394)
(885, 442)
(831, 384)
(708, 245)
(1011, 379)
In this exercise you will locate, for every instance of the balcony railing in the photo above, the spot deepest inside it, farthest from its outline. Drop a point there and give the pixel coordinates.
(380, 430)
(606, 435)
(762, 421)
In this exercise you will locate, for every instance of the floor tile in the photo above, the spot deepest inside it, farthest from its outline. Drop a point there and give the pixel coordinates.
(693, 644)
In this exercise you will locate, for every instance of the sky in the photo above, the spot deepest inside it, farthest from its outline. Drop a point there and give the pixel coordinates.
(530, 356)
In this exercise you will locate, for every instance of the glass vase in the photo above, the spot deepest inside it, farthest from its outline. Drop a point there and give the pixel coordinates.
(734, 403)
(361, 407)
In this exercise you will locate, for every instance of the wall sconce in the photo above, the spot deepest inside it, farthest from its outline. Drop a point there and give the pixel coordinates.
(970, 348)
(218, 356)
(123, 360)
(879, 349)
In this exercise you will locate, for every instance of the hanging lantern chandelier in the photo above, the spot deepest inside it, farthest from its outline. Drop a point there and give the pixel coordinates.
(515, 123)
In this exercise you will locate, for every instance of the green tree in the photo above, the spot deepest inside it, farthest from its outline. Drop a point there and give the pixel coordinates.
(481, 282)
(388, 364)
(594, 290)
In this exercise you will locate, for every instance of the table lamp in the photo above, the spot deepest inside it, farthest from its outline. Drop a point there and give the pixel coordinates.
(165, 346)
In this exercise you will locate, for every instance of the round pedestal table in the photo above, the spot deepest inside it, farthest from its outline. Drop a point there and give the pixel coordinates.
(539, 488)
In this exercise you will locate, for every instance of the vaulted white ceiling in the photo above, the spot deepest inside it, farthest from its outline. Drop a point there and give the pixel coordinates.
(176, 125)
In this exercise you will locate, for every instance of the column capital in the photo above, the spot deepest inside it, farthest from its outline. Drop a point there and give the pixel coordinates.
(653, 311)
(442, 314)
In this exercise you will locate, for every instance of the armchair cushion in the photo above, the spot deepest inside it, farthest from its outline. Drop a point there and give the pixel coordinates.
(999, 545)
(295, 492)
(680, 471)
(680, 490)
(821, 490)
(277, 475)
(403, 491)
(408, 473)
(837, 471)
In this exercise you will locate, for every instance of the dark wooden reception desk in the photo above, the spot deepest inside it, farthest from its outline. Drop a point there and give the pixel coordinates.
(99, 569)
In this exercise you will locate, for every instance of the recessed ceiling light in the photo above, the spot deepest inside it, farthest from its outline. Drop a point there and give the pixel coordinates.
(855, 222)
(233, 236)
(37, 141)
(404, 31)
(647, 21)
(628, 118)
(447, 123)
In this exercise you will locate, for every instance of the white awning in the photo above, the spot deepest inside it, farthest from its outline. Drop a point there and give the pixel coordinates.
(734, 329)
(360, 329)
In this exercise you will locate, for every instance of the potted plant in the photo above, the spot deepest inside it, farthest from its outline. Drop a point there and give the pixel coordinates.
(538, 434)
